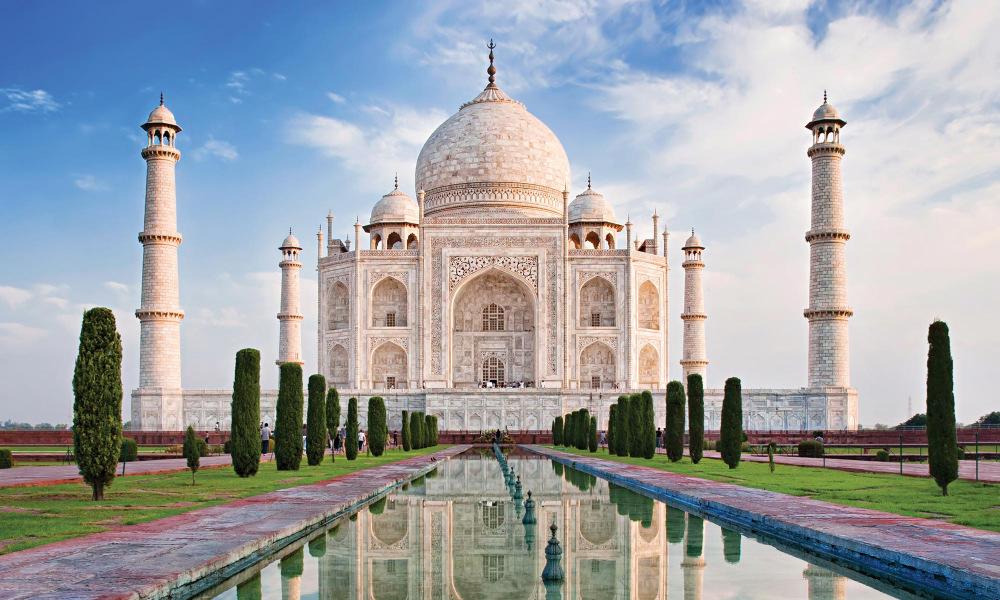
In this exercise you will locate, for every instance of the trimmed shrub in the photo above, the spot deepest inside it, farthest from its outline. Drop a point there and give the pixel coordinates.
(428, 430)
(416, 428)
(770, 456)
(244, 442)
(316, 420)
(635, 425)
(351, 443)
(317, 546)
(882, 455)
(611, 429)
(378, 507)
(622, 433)
(191, 451)
(731, 542)
(203, 448)
(129, 451)
(250, 589)
(811, 449)
(731, 428)
(583, 429)
(378, 429)
(942, 444)
(434, 430)
(6, 458)
(407, 441)
(97, 400)
(648, 419)
(674, 431)
(557, 431)
(227, 447)
(695, 536)
(593, 434)
(332, 416)
(675, 525)
(696, 417)
(288, 425)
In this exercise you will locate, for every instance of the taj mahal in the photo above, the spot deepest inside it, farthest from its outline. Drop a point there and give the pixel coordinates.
(495, 296)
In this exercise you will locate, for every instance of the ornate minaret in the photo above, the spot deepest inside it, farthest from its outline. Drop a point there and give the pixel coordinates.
(693, 359)
(290, 317)
(828, 311)
(160, 314)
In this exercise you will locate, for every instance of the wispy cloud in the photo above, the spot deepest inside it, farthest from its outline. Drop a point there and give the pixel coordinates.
(214, 148)
(385, 141)
(14, 296)
(336, 98)
(89, 183)
(117, 287)
(239, 82)
(18, 333)
(21, 100)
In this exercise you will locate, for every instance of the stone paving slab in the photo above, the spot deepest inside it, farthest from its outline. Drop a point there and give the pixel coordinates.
(951, 560)
(53, 474)
(989, 471)
(150, 559)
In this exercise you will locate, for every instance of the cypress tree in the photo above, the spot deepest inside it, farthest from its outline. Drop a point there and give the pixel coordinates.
(415, 425)
(428, 431)
(584, 430)
(675, 525)
(942, 445)
(378, 430)
(674, 430)
(316, 420)
(191, 452)
(332, 416)
(731, 427)
(250, 589)
(731, 542)
(622, 433)
(593, 434)
(648, 425)
(567, 430)
(405, 432)
(612, 438)
(288, 425)
(351, 443)
(696, 417)
(434, 430)
(245, 435)
(557, 431)
(97, 400)
(635, 425)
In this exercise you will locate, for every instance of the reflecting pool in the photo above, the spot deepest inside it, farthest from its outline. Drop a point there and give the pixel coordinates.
(458, 534)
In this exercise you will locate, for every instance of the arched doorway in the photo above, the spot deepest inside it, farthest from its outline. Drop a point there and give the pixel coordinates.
(597, 366)
(388, 368)
(493, 332)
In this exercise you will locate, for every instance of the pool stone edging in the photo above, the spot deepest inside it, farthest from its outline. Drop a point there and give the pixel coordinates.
(899, 568)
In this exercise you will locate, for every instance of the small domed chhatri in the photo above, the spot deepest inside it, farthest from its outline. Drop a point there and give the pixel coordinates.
(395, 207)
(591, 206)
(290, 242)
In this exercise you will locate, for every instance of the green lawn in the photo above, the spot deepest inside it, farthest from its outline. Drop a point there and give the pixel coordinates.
(967, 503)
(32, 516)
(50, 449)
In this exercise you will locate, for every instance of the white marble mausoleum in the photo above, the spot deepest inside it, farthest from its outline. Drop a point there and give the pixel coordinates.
(495, 296)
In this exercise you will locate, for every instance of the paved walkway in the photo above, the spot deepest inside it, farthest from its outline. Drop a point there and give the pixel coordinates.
(989, 471)
(142, 561)
(49, 475)
(951, 560)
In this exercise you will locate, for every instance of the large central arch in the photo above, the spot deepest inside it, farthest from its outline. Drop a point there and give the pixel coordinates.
(493, 321)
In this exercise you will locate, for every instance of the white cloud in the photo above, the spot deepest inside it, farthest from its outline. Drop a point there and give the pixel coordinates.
(20, 100)
(18, 333)
(89, 183)
(335, 97)
(14, 296)
(117, 287)
(387, 142)
(218, 149)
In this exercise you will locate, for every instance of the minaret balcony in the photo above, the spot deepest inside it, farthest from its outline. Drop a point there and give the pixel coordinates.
(827, 235)
(160, 237)
(828, 314)
(161, 151)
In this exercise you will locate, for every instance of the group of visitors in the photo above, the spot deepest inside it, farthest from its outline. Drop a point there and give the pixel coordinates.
(335, 442)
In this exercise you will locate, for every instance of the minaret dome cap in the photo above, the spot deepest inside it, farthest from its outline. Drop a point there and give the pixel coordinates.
(693, 242)
(291, 242)
(161, 115)
(826, 113)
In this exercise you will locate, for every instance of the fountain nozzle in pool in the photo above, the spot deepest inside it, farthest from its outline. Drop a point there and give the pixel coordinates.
(553, 570)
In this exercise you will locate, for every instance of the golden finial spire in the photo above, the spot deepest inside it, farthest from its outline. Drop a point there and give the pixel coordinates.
(491, 71)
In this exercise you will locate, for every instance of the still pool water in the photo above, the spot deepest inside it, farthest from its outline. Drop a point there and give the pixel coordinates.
(458, 534)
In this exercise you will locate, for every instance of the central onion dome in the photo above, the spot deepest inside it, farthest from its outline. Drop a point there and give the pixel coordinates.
(493, 158)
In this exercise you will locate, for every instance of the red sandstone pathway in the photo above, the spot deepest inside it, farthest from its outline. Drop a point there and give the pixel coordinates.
(961, 561)
(989, 471)
(50, 475)
(143, 561)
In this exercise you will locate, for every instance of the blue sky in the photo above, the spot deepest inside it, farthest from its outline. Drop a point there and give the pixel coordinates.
(694, 109)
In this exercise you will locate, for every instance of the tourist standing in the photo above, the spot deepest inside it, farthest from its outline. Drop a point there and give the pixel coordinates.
(395, 438)
(265, 435)
(361, 440)
(659, 438)
(337, 441)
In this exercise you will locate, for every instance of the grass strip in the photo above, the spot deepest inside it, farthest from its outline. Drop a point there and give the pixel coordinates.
(33, 516)
(968, 503)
